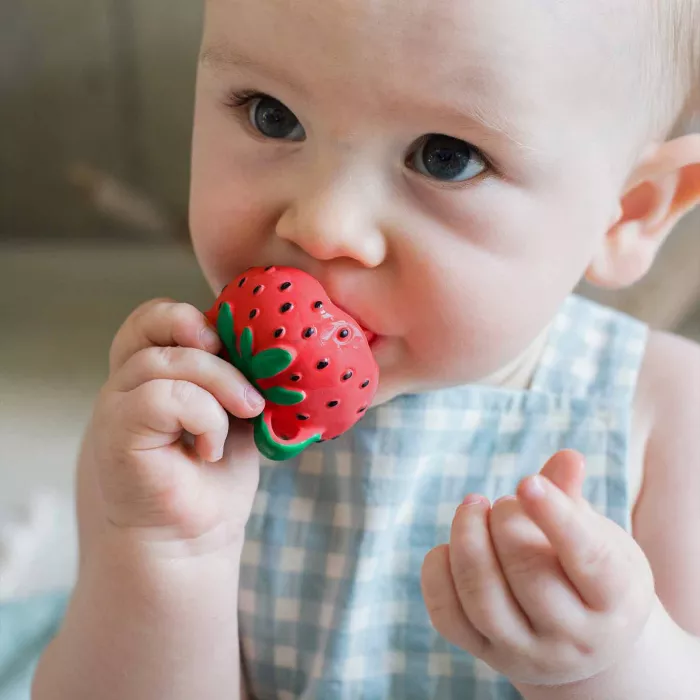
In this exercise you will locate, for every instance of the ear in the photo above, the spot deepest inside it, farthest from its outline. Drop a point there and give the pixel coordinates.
(661, 190)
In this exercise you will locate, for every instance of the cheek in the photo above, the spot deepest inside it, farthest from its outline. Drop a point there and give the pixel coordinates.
(231, 213)
(477, 321)
(227, 232)
(492, 288)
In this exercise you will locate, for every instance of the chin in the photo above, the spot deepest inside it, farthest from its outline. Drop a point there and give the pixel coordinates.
(385, 354)
(395, 375)
(393, 382)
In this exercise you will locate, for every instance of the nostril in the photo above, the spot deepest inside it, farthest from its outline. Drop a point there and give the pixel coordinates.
(335, 218)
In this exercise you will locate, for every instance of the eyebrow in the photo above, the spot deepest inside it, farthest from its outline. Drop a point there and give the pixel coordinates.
(225, 56)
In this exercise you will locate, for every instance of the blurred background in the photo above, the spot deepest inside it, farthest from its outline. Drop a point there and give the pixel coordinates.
(95, 118)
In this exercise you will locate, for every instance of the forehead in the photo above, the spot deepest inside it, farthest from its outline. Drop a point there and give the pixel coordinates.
(439, 39)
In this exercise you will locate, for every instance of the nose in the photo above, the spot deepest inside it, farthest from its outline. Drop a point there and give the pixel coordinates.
(336, 216)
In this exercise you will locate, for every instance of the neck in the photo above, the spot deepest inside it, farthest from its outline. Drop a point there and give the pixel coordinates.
(519, 373)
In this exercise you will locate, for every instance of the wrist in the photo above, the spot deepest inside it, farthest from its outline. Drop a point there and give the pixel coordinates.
(149, 565)
(222, 543)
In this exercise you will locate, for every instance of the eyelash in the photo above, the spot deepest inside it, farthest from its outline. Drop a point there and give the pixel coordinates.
(238, 100)
(242, 98)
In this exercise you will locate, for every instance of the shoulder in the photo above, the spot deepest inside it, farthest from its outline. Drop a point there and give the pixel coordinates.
(668, 394)
(666, 517)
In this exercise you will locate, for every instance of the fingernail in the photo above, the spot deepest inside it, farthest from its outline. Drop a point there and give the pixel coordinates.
(208, 337)
(473, 499)
(536, 486)
(253, 398)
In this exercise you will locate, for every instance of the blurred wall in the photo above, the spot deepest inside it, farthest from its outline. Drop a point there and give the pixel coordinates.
(106, 84)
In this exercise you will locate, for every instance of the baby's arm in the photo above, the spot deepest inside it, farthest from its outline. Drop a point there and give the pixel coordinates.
(154, 612)
(667, 513)
(141, 628)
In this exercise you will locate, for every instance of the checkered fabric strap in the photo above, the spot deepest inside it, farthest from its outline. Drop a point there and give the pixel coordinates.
(592, 352)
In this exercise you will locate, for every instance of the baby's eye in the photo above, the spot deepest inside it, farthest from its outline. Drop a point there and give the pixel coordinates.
(273, 120)
(446, 159)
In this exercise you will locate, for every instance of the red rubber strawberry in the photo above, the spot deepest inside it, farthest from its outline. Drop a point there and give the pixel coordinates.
(310, 360)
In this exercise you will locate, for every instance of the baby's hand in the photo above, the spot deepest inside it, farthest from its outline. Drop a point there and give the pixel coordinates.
(167, 382)
(541, 587)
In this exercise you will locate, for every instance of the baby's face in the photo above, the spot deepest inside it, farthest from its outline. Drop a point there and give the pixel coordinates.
(444, 168)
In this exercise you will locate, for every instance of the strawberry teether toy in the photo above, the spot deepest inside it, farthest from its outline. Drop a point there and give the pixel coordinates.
(310, 360)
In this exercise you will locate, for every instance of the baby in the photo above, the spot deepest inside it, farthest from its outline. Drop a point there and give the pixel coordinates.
(518, 513)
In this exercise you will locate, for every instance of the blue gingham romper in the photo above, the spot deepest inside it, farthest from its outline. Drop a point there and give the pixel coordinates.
(330, 605)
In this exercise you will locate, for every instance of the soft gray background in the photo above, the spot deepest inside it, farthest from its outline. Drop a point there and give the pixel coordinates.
(106, 83)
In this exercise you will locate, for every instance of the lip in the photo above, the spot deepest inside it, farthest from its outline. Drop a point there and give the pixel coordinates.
(370, 335)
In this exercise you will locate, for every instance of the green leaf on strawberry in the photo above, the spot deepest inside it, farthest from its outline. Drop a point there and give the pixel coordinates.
(271, 362)
(224, 327)
(282, 396)
(246, 347)
(272, 449)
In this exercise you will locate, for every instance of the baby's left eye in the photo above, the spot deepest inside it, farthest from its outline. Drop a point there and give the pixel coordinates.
(446, 159)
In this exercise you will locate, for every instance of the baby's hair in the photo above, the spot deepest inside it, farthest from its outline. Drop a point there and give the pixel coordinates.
(676, 47)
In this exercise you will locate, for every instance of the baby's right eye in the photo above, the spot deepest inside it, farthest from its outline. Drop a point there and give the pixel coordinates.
(270, 117)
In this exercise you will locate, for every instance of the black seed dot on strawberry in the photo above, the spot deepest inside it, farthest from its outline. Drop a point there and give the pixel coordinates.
(242, 282)
(286, 307)
(301, 416)
(365, 384)
(253, 314)
(258, 289)
(224, 288)
(347, 375)
(285, 286)
(333, 404)
(269, 267)
(363, 409)
(322, 364)
(309, 332)
(318, 305)
(296, 377)
(279, 332)
(344, 333)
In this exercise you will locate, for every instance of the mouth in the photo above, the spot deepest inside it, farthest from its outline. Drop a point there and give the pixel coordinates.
(371, 336)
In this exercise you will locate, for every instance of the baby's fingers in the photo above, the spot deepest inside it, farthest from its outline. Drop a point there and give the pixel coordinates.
(595, 554)
(155, 414)
(162, 322)
(218, 377)
(443, 605)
